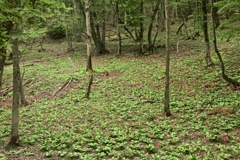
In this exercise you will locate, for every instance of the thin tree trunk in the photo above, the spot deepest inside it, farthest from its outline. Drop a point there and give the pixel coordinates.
(150, 43)
(205, 31)
(118, 29)
(14, 139)
(127, 30)
(162, 16)
(215, 14)
(141, 51)
(167, 95)
(2, 63)
(95, 29)
(69, 41)
(104, 24)
(224, 75)
(89, 39)
(21, 91)
(7, 26)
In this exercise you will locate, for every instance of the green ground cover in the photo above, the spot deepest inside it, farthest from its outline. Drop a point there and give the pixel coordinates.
(124, 118)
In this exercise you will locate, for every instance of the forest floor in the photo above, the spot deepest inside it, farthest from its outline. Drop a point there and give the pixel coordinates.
(123, 119)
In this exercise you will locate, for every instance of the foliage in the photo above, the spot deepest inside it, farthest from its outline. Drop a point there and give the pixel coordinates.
(231, 9)
(124, 117)
(56, 31)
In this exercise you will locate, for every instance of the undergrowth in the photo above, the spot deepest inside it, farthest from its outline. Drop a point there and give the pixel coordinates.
(124, 117)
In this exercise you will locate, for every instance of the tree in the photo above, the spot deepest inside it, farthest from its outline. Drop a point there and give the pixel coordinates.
(232, 9)
(215, 14)
(3, 52)
(150, 28)
(167, 96)
(205, 31)
(89, 40)
(5, 28)
(14, 21)
(141, 31)
(118, 29)
(14, 139)
(224, 75)
(98, 38)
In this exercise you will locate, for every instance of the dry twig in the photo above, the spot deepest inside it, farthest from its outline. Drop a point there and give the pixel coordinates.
(66, 84)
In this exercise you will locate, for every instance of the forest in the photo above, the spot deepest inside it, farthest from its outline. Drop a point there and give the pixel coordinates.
(119, 79)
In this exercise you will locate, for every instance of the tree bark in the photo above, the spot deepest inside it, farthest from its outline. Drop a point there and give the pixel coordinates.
(7, 26)
(126, 29)
(89, 39)
(104, 24)
(224, 75)
(2, 63)
(21, 91)
(150, 43)
(205, 31)
(167, 95)
(69, 39)
(118, 29)
(95, 29)
(215, 14)
(14, 139)
(141, 51)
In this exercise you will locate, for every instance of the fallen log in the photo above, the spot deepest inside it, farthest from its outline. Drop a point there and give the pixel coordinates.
(5, 91)
(26, 65)
(66, 84)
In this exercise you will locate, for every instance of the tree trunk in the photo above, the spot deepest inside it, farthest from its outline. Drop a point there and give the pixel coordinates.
(162, 16)
(2, 63)
(7, 26)
(89, 39)
(205, 31)
(141, 51)
(21, 91)
(69, 39)
(167, 95)
(224, 75)
(104, 25)
(150, 43)
(215, 14)
(14, 139)
(95, 29)
(118, 29)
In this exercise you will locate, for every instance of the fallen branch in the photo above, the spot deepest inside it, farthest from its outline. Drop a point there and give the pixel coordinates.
(26, 65)
(66, 84)
(69, 82)
(9, 89)
(37, 61)
(4, 90)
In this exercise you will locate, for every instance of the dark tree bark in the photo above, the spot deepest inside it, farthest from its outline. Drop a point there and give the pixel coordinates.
(150, 43)
(205, 31)
(14, 139)
(118, 29)
(7, 26)
(141, 51)
(224, 75)
(167, 83)
(104, 24)
(127, 30)
(2, 63)
(215, 14)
